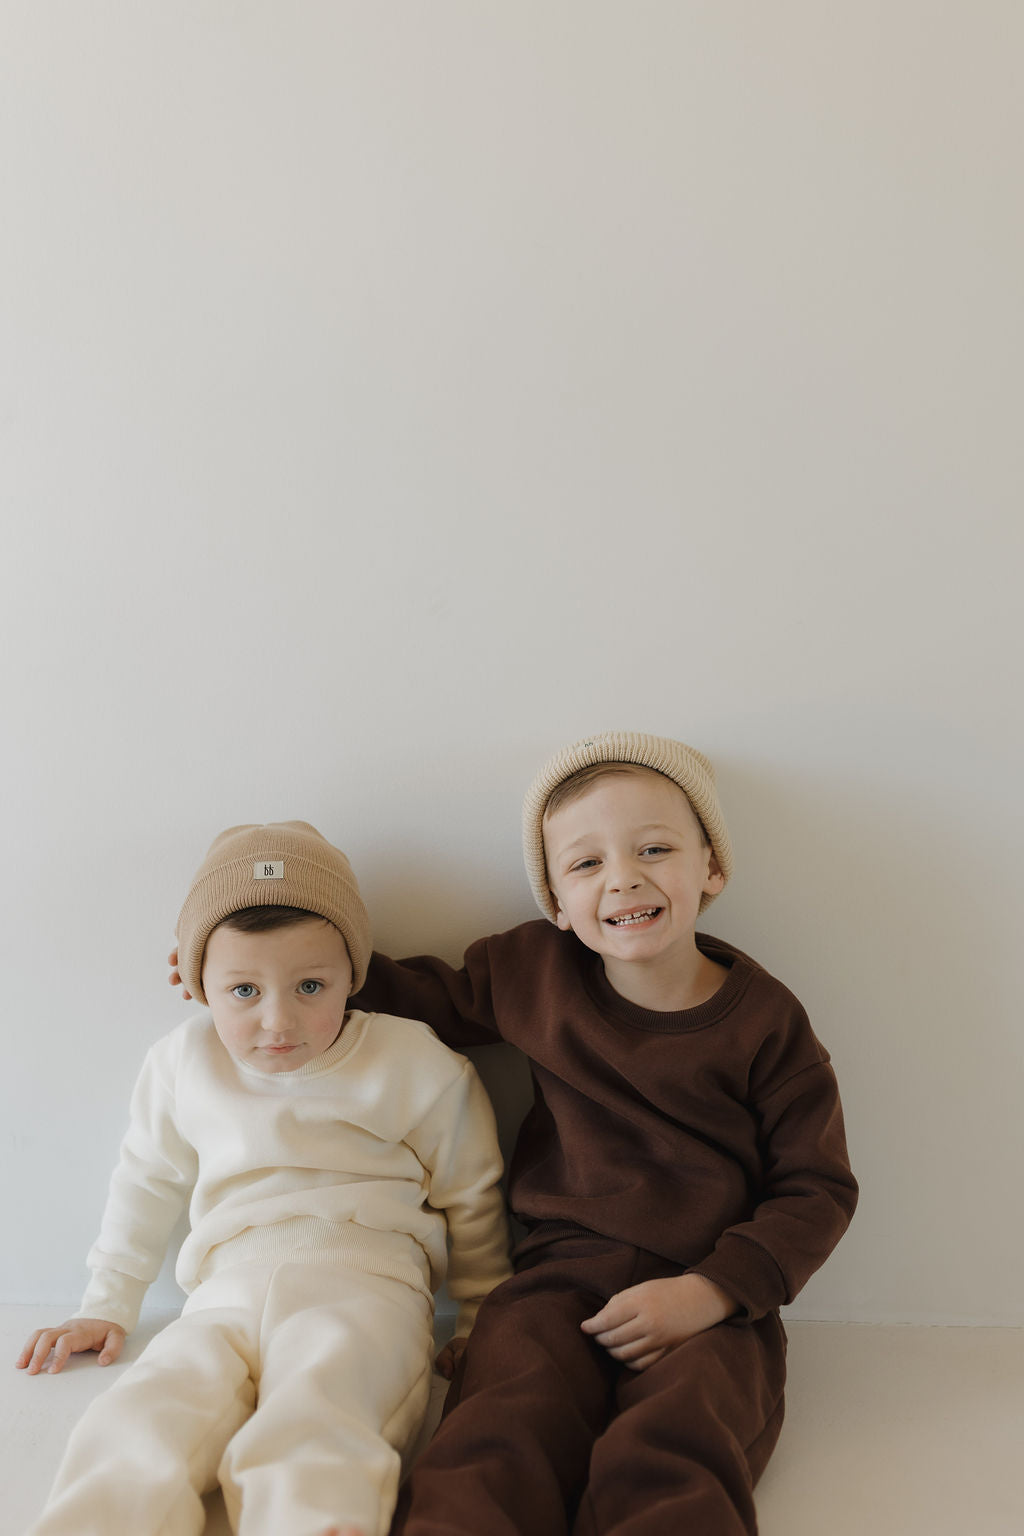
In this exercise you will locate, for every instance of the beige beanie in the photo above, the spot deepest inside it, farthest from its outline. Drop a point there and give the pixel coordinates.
(683, 765)
(282, 864)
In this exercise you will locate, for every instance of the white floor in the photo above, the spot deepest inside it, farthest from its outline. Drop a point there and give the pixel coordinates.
(890, 1431)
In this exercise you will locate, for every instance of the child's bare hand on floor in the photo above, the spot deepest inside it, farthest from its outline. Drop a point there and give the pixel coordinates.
(71, 1338)
(639, 1325)
(448, 1358)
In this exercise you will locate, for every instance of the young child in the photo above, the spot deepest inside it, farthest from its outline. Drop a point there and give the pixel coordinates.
(327, 1154)
(682, 1172)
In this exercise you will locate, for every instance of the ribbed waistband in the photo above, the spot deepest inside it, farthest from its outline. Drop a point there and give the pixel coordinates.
(312, 1240)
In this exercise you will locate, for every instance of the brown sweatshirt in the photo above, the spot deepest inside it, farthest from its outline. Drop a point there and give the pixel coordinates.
(713, 1136)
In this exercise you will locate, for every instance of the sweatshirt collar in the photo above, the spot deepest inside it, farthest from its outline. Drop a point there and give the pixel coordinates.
(681, 1021)
(351, 1033)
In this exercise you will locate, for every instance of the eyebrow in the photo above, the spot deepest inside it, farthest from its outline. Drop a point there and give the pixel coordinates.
(588, 837)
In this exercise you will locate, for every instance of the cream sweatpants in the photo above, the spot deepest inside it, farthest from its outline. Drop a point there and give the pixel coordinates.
(297, 1384)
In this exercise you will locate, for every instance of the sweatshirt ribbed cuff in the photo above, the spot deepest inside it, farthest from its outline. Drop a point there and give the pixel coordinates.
(114, 1297)
(747, 1272)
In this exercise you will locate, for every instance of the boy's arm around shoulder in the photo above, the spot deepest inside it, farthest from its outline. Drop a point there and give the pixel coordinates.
(455, 1001)
(808, 1192)
(457, 1142)
(155, 1171)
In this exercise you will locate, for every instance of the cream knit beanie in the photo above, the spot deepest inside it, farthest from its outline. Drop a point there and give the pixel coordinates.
(282, 864)
(683, 765)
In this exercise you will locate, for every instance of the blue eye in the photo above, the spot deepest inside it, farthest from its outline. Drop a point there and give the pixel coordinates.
(656, 848)
(310, 988)
(583, 864)
(244, 991)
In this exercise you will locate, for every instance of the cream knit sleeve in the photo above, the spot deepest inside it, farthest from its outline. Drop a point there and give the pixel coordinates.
(457, 1142)
(153, 1178)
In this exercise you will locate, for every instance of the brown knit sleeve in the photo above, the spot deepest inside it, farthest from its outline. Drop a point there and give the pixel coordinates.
(809, 1195)
(455, 1002)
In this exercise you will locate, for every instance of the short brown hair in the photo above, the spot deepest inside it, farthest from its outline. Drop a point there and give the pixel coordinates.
(267, 919)
(571, 788)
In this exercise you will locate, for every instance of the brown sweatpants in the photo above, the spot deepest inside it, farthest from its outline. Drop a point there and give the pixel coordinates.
(545, 1434)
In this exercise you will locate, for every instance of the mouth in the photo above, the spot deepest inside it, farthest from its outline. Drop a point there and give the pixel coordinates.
(278, 1050)
(635, 918)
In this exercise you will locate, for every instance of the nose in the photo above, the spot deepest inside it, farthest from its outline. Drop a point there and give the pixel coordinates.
(622, 875)
(277, 1019)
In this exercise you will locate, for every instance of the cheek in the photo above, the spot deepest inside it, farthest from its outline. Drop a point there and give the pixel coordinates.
(233, 1031)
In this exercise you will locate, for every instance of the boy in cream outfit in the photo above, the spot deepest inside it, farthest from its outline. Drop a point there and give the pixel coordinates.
(330, 1158)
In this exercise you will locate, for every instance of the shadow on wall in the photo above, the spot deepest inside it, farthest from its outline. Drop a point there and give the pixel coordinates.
(505, 1074)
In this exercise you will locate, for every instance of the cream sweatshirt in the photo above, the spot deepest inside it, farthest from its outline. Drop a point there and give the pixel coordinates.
(384, 1147)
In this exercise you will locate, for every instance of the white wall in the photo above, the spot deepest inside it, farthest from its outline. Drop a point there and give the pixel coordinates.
(390, 393)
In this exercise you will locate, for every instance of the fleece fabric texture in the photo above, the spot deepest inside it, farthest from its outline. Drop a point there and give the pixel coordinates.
(712, 1137)
(296, 1385)
(385, 1145)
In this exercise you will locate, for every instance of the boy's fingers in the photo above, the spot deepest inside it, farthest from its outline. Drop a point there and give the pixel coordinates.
(111, 1346)
(44, 1343)
(175, 977)
(448, 1358)
(69, 1339)
(61, 1353)
(615, 1315)
(26, 1354)
(626, 1333)
(610, 1316)
(645, 1360)
(631, 1349)
(175, 981)
(40, 1354)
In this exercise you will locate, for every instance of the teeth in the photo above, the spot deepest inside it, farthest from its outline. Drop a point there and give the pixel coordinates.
(634, 917)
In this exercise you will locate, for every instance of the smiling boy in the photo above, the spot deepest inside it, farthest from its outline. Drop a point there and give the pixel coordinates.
(682, 1173)
(329, 1156)
(629, 866)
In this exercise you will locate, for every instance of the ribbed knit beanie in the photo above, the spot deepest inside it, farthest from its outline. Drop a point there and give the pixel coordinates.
(286, 864)
(683, 765)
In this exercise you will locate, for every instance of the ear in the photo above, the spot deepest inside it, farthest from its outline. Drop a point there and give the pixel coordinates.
(560, 918)
(715, 881)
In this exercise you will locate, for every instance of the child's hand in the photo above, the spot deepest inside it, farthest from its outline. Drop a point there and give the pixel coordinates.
(639, 1325)
(449, 1357)
(72, 1337)
(175, 978)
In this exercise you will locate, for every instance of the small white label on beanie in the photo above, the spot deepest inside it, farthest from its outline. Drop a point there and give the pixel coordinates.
(273, 871)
